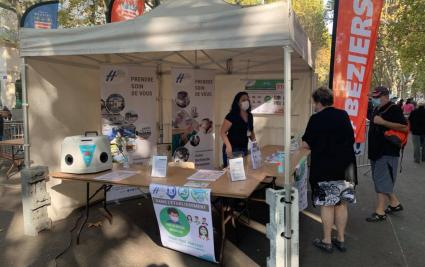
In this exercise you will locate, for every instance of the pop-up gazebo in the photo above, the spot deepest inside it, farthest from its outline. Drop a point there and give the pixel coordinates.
(61, 69)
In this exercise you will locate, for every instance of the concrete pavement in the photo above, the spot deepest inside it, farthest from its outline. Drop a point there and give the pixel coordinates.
(132, 240)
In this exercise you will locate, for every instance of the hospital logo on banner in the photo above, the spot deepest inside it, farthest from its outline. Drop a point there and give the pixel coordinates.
(181, 76)
(115, 75)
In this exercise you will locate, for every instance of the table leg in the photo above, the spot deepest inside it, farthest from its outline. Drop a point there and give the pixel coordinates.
(12, 166)
(106, 188)
(87, 212)
(223, 229)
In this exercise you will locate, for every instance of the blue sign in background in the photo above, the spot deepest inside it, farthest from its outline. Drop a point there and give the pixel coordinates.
(41, 16)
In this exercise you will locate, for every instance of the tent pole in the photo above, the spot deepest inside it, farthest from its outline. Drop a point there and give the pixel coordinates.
(287, 183)
(27, 160)
(161, 102)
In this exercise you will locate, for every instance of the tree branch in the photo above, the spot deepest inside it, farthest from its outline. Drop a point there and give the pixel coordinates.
(7, 7)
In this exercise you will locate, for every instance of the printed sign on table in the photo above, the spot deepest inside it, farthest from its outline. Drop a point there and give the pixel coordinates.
(184, 218)
(193, 111)
(301, 177)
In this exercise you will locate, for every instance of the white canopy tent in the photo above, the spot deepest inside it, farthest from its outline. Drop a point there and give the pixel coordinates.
(61, 67)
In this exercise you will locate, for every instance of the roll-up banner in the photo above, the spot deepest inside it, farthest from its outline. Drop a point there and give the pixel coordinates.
(41, 16)
(122, 10)
(128, 107)
(193, 111)
(356, 26)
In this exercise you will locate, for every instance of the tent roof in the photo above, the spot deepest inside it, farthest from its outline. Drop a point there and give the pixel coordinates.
(178, 26)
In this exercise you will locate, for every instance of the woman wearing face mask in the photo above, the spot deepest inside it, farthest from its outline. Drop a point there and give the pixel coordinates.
(237, 127)
(330, 137)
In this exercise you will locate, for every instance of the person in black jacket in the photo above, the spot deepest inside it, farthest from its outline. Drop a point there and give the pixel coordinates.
(417, 127)
(330, 137)
(237, 128)
(384, 154)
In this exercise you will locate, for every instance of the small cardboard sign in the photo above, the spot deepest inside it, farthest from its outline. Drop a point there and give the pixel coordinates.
(159, 166)
(237, 169)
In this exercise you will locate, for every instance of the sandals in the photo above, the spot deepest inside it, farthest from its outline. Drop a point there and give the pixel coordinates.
(375, 217)
(339, 245)
(392, 209)
(318, 243)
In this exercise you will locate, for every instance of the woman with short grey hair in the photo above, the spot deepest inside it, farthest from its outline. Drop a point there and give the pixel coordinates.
(330, 137)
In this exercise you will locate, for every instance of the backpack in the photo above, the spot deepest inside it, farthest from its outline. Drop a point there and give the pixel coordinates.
(397, 138)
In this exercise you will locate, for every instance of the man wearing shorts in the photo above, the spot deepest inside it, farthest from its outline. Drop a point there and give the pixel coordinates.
(384, 154)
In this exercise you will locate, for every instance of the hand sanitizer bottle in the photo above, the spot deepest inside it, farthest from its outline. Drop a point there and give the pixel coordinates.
(280, 168)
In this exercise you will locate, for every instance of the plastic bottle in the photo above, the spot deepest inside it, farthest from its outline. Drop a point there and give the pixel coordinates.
(125, 164)
(280, 168)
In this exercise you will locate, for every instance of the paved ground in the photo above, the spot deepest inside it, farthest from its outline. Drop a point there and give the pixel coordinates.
(132, 240)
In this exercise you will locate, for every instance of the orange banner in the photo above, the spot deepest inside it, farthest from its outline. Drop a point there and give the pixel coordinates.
(122, 10)
(356, 34)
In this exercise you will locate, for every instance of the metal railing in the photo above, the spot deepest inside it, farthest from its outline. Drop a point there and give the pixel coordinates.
(12, 130)
(361, 151)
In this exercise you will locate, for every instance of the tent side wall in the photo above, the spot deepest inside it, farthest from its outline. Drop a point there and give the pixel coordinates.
(64, 100)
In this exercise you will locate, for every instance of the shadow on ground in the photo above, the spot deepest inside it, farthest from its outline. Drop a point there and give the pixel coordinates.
(132, 238)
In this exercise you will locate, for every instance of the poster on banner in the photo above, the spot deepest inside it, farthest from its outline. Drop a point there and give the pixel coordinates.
(184, 218)
(267, 102)
(122, 10)
(301, 178)
(41, 16)
(354, 53)
(193, 111)
(128, 105)
(267, 96)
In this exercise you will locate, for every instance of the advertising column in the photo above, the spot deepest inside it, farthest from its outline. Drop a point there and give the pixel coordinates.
(193, 111)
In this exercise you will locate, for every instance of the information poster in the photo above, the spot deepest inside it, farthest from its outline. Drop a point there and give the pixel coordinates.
(128, 109)
(184, 218)
(267, 96)
(193, 111)
(301, 178)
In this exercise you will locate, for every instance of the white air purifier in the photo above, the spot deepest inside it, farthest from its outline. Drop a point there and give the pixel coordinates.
(86, 154)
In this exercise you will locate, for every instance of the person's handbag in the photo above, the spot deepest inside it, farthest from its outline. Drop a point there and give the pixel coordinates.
(395, 137)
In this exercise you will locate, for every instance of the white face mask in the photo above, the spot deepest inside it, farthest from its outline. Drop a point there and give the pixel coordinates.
(245, 105)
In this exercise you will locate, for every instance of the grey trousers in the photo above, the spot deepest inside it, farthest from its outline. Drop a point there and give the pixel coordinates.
(418, 147)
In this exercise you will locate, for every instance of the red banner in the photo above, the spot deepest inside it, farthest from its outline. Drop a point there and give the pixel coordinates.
(122, 10)
(356, 34)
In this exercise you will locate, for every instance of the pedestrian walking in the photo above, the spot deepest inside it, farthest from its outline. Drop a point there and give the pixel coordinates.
(408, 107)
(417, 127)
(330, 137)
(384, 153)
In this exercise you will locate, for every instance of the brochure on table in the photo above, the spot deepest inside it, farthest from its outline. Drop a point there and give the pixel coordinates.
(159, 166)
(237, 169)
(184, 218)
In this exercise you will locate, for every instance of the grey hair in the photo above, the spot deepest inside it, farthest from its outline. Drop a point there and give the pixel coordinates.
(323, 96)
